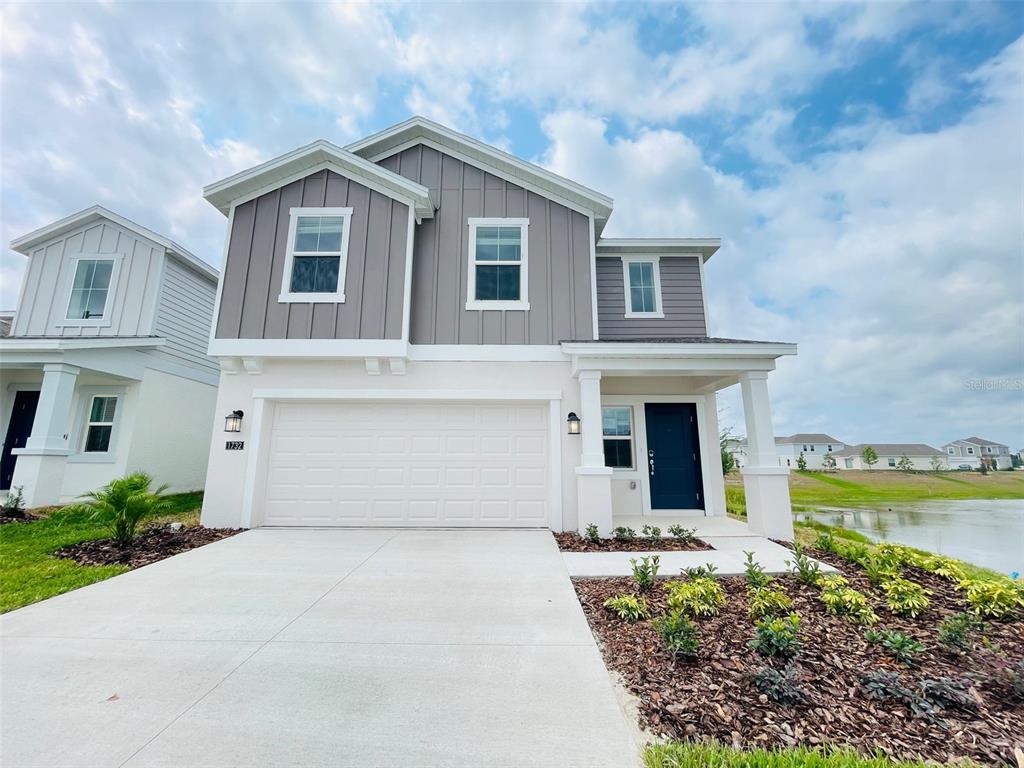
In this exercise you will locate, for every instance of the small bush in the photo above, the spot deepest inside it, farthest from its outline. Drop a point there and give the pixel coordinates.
(827, 542)
(777, 637)
(949, 693)
(901, 647)
(591, 534)
(766, 601)
(898, 554)
(697, 597)
(955, 631)
(841, 600)
(645, 571)
(705, 571)
(905, 598)
(806, 569)
(652, 532)
(679, 633)
(995, 599)
(685, 535)
(782, 687)
(14, 504)
(756, 577)
(624, 533)
(855, 554)
(945, 567)
(885, 685)
(628, 607)
(122, 504)
(880, 568)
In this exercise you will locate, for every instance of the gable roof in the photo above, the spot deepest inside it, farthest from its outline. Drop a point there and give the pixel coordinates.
(27, 242)
(892, 449)
(417, 130)
(311, 158)
(809, 437)
(978, 441)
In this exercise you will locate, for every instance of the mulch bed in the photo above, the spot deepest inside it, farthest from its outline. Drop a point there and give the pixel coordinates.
(148, 547)
(570, 541)
(714, 698)
(17, 517)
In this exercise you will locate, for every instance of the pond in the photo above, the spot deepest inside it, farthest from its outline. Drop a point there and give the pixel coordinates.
(984, 532)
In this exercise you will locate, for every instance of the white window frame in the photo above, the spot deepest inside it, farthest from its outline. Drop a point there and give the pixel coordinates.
(523, 303)
(951, 451)
(629, 437)
(891, 461)
(655, 262)
(287, 296)
(84, 410)
(970, 451)
(89, 322)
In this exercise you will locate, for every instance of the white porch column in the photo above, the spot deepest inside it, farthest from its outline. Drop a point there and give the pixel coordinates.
(40, 468)
(766, 484)
(593, 478)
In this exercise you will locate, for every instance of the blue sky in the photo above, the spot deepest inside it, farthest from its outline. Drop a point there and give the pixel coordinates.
(863, 163)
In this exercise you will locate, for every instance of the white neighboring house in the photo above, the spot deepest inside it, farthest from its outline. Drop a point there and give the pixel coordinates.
(889, 455)
(971, 451)
(814, 446)
(105, 370)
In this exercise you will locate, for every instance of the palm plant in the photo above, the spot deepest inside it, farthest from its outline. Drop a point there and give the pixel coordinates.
(122, 504)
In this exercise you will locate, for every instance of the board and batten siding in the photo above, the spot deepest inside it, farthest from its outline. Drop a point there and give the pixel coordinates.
(43, 303)
(681, 296)
(374, 279)
(184, 314)
(559, 257)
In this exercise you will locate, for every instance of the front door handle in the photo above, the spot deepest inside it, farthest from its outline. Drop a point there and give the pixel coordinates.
(650, 462)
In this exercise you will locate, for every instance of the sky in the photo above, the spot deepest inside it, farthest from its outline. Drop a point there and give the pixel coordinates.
(862, 163)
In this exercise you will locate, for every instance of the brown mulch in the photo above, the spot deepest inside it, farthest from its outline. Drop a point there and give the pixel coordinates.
(570, 541)
(17, 517)
(149, 546)
(714, 698)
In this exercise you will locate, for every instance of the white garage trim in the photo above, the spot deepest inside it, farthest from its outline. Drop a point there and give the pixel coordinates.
(264, 400)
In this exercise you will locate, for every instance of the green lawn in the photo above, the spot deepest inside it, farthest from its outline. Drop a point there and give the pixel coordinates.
(692, 755)
(28, 573)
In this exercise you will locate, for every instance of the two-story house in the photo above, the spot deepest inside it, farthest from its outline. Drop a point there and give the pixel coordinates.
(105, 370)
(420, 329)
(972, 451)
(814, 446)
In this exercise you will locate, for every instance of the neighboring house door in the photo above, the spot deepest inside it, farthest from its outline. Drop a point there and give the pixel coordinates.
(18, 430)
(673, 456)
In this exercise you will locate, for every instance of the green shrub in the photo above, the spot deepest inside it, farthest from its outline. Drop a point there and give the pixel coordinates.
(685, 535)
(645, 571)
(628, 607)
(624, 533)
(591, 534)
(651, 531)
(945, 567)
(777, 637)
(901, 647)
(704, 755)
(782, 687)
(899, 554)
(905, 598)
(756, 577)
(679, 633)
(701, 571)
(767, 601)
(955, 631)
(949, 693)
(995, 599)
(841, 600)
(880, 568)
(697, 597)
(122, 504)
(855, 554)
(806, 568)
(14, 504)
(826, 542)
(884, 685)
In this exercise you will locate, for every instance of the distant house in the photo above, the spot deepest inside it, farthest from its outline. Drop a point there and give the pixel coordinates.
(814, 447)
(971, 451)
(889, 455)
(6, 320)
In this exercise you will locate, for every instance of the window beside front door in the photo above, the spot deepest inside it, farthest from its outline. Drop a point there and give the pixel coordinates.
(617, 429)
(317, 255)
(498, 261)
(642, 286)
(100, 424)
(90, 291)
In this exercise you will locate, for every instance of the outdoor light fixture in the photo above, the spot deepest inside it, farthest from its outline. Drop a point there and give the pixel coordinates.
(233, 422)
(574, 423)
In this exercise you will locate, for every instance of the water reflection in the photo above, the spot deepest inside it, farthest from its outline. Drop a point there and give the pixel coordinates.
(989, 533)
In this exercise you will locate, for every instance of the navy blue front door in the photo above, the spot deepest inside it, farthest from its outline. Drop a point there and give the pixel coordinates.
(673, 456)
(23, 413)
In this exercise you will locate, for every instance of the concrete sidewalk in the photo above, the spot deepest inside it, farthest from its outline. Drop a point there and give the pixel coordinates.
(316, 648)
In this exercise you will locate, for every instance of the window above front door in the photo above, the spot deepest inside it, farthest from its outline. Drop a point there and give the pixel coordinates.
(498, 261)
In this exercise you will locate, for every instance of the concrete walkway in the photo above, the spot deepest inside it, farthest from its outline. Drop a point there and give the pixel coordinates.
(316, 648)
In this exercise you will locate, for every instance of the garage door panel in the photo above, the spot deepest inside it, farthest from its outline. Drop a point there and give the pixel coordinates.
(408, 464)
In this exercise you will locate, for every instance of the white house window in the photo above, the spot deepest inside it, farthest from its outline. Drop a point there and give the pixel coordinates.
(642, 278)
(498, 261)
(317, 255)
(892, 462)
(848, 463)
(90, 289)
(830, 449)
(617, 428)
(100, 424)
(951, 451)
(970, 451)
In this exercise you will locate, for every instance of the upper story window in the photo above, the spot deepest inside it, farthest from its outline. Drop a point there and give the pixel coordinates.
(951, 451)
(642, 278)
(91, 291)
(497, 277)
(317, 256)
(617, 430)
(970, 451)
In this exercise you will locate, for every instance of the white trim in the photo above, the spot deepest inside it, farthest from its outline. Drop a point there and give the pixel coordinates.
(105, 320)
(410, 238)
(704, 296)
(555, 515)
(220, 280)
(28, 344)
(593, 278)
(79, 432)
(702, 247)
(678, 349)
(631, 437)
(456, 394)
(488, 352)
(655, 262)
(287, 296)
(523, 302)
(308, 348)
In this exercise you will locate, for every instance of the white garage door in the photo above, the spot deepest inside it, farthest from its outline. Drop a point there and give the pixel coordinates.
(408, 464)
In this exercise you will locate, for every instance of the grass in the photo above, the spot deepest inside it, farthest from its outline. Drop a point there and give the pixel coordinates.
(27, 571)
(854, 487)
(693, 755)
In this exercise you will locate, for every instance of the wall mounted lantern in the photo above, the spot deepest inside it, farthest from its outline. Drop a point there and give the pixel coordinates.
(233, 422)
(574, 423)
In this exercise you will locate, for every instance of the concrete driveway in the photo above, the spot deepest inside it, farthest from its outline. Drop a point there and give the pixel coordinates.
(316, 647)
